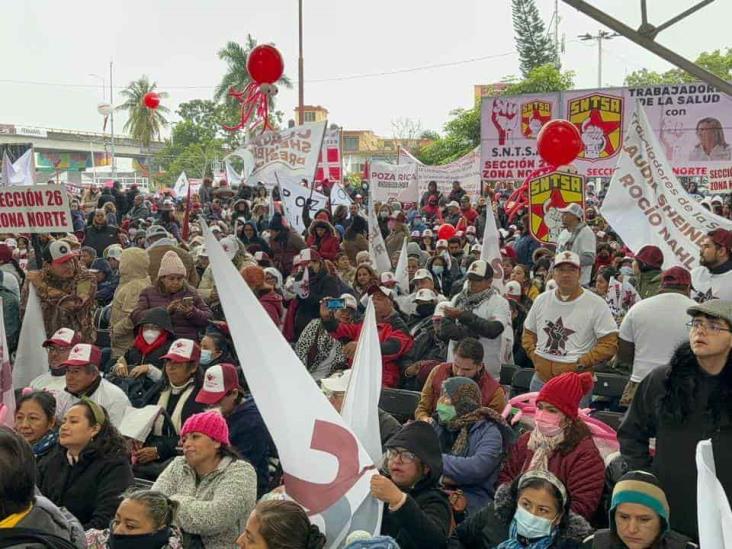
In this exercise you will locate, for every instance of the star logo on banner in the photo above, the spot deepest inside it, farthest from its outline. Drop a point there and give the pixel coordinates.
(607, 128)
(558, 335)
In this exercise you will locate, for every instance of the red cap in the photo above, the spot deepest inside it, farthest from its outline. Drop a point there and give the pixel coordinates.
(183, 350)
(676, 276)
(63, 337)
(217, 382)
(651, 256)
(721, 237)
(564, 392)
(82, 354)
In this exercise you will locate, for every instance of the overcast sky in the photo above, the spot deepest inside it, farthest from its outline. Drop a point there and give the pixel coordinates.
(52, 47)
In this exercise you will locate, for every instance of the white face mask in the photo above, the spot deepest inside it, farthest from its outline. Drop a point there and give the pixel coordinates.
(150, 335)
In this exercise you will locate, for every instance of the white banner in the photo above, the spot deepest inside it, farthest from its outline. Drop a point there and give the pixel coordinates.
(491, 248)
(466, 170)
(393, 182)
(339, 196)
(35, 209)
(19, 172)
(181, 186)
(326, 468)
(377, 247)
(712, 505)
(31, 359)
(232, 177)
(294, 198)
(646, 204)
(291, 153)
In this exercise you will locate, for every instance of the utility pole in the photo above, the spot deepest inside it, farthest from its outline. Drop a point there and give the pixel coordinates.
(111, 120)
(300, 74)
(556, 30)
(600, 36)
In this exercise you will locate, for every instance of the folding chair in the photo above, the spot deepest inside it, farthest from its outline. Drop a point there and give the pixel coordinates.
(399, 403)
(613, 419)
(521, 381)
(507, 372)
(608, 389)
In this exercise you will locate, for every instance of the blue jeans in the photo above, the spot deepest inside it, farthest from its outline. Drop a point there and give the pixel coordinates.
(536, 384)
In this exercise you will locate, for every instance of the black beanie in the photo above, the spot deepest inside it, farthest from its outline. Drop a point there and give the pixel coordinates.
(420, 438)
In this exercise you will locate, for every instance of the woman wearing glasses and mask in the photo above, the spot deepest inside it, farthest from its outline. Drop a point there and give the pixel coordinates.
(681, 404)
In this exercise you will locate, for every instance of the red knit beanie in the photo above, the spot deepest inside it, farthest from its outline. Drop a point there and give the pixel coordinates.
(564, 392)
(212, 424)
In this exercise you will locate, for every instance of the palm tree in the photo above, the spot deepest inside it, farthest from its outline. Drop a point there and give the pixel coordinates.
(236, 74)
(143, 124)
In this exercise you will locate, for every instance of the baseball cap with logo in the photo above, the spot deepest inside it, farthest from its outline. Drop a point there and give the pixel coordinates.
(82, 354)
(218, 381)
(415, 234)
(721, 237)
(513, 290)
(183, 350)
(442, 243)
(427, 232)
(440, 309)
(388, 292)
(308, 254)
(426, 295)
(453, 204)
(351, 302)
(567, 257)
(58, 252)
(113, 252)
(63, 337)
(155, 231)
(574, 209)
(388, 279)
(421, 274)
(480, 270)
(676, 276)
(476, 248)
(470, 230)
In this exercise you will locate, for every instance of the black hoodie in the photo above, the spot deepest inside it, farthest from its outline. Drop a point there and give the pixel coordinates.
(423, 522)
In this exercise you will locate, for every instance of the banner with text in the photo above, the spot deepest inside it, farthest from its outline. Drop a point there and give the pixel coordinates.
(466, 170)
(330, 161)
(393, 182)
(34, 209)
(646, 204)
(294, 198)
(291, 153)
(691, 122)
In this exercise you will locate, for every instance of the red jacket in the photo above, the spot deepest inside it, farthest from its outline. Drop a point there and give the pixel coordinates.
(395, 343)
(329, 246)
(579, 467)
(272, 303)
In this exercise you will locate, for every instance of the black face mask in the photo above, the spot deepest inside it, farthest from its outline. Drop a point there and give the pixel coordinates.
(156, 540)
(425, 309)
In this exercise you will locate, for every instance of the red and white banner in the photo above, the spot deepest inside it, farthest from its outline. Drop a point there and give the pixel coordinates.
(691, 122)
(330, 161)
(393, 182)
(34, 209)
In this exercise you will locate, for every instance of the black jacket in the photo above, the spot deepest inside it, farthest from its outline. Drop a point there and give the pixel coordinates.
(90, 489)
(101, 237)
(605, 539)
(680, 405)
(321, 285)
(249, 435)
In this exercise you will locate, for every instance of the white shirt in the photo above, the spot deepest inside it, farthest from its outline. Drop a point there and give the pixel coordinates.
(11, 282)
(708, 286)
(586, 242)
(566, 331)
(49, 383)
(408, 306)
(655, 340)
(108, 395)
(719, 152)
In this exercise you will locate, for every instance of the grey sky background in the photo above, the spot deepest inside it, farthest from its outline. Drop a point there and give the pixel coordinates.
(58, 44)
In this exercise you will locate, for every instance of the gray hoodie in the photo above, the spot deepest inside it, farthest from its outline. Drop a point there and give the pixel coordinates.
(49, 519)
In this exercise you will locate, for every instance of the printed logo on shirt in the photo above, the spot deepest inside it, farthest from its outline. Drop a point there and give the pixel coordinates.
(701, 297)
(558, 335)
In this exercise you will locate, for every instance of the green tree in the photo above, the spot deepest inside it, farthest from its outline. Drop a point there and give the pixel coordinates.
(143, 124)
(717, 62)
(535, 47)
(542, 79)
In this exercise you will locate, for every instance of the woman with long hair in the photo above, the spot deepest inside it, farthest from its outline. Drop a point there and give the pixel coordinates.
(363, 279)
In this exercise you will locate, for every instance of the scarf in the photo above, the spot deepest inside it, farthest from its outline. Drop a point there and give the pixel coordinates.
(12, 520)
(462, 424)
(543, 448)
(146, 348)
(45, 443)
(513, 541)
(468, 301)
(185, 391)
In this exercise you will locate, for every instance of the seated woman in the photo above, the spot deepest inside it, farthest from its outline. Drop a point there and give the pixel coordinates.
(562, 444)
(143, 520)
(186, 308)
(215, 349)
(532, 513)
(639, 514)
(89, 469)
(176, 393)
(144, 359)
(35, 421)
(277, 523)
(473, 439)
(215, 489)
(364, 278)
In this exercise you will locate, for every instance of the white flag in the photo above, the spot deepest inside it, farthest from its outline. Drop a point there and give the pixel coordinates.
(19, 172)
(400, 273)
(31, 359)
(326, 469)
(491, 250)
(7, 393)
(646, 204)
(712, 506)
(181, 186)
(294, 197)
(232, 177)
(338, 197)
(377, 248)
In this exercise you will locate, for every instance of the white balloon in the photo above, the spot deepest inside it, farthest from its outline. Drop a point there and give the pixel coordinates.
(105, 109)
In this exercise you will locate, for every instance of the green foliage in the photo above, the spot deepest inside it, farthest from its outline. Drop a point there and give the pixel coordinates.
(142, 124)
(716, 62)
(535, 47)
(542, 79)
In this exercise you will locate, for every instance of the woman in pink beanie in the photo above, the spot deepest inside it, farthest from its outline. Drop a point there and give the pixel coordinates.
(561, 443)
(187, 310)
(215, 489)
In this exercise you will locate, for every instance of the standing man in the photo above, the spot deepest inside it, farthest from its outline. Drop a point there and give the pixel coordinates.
(577, 237)
(680, 404)
(569, 329)
(713, 279)
(647, 267)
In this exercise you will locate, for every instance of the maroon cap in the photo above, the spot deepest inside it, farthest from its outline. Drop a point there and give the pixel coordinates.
(676, 276)
(63, 337)
(721, 237)
(82, 354)
(651, 256)
(218, 381)
(183, 350)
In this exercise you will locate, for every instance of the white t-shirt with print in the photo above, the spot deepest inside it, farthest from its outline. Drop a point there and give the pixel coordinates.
(566, 331)
(586, 242)
(656, 326)
(708, 286)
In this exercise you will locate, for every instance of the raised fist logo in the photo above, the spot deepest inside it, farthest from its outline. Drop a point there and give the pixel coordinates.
(593, 138)
(505, 118)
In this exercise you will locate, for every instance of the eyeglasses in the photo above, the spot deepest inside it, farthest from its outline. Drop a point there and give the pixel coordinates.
(711, 327)
(404, 455)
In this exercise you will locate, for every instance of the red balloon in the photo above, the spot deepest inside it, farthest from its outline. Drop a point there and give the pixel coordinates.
(265, 65)
(446, 232)
(559, 142)
(151, 100)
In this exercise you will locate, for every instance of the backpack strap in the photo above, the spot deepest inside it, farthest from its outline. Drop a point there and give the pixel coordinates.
(10, 537)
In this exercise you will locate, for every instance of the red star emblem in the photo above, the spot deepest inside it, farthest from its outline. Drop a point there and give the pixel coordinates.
(607, 128)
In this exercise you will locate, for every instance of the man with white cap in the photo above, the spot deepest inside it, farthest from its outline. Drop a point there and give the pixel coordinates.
(83, 379)
(335, 387)
(570, 329)
(479, 311)
(713, 278)
(422, 280)
(58, 347)
(577, 237)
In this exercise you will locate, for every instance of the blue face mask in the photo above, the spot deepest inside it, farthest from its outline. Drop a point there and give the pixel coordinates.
(438, 269)
(530, 526)
(206, 357)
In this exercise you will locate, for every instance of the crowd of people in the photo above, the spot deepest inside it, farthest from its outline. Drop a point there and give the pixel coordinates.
(136, 336)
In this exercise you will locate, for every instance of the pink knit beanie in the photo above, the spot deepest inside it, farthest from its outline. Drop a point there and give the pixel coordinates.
(212, 424)
(171, 265)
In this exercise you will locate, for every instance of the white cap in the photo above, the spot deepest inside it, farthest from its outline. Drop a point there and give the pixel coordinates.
(440, 309)
(453, 204)
(113, 252)
(574, 209)
(230, 246)
(388, 292)
(11, 243)
(480, 268)
(423, 273)
(567, 257)
(425, 294)
(337, 382)
(470, 230)
(442, 243)
(551, 284)
(387, 277)
(351, 302)
(512, 289)
(476, 248)
(427, 232)
(415, 234)
(717, 198)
